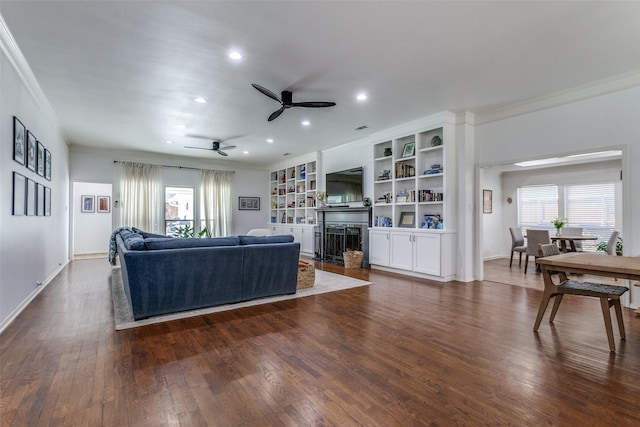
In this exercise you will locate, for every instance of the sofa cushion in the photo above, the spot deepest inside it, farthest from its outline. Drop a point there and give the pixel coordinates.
(153, 243)
(133, 241)
(261, 240)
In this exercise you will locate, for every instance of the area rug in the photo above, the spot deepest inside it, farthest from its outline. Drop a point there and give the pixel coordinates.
(325, 282)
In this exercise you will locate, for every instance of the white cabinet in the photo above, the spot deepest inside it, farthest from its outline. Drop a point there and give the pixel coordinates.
(379, 247)
(302, 234)
(423, 253)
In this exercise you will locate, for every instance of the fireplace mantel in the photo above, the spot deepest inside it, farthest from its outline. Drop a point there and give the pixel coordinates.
(353, 221)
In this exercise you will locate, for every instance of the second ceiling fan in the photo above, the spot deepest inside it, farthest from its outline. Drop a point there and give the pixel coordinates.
(287, 101)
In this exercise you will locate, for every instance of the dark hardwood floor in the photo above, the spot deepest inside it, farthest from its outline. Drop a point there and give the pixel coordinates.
(400, 352)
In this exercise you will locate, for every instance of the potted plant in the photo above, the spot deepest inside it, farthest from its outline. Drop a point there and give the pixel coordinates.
(558, 223)
(602, 246)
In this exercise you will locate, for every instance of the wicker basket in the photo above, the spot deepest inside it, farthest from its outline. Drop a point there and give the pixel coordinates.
(306, 275)
(352, 259)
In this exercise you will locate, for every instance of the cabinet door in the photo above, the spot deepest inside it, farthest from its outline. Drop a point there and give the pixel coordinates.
(379, 247)
(306, 244)
(401, 250)
(426, 253)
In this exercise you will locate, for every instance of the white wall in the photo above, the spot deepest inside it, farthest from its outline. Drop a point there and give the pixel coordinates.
(33, 248)
(602, 122)
(494, 224)
(88, 165)
(90, 230)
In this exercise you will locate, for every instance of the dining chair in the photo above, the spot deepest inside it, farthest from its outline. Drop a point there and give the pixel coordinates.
(574, 231)
(611, 243)
(517, 244)
(609, 295)
(533, 238)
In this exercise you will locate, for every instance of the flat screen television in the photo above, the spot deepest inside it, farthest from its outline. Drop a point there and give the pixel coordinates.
(344, 186)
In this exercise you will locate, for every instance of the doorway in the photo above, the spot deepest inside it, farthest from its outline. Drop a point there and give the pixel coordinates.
(91, 218)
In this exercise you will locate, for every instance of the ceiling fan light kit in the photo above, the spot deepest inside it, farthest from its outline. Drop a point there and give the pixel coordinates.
(287, 101)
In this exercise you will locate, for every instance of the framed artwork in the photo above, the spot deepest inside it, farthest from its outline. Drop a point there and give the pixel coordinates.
(409, 149)
(40, 200)
(104, 204)
(19, 194)
(87, 204)
(40, 154)
(47, 201)
(18, 141)
(407, 219)
(31, 151)
(47, 164)
(31, 197)
(487, 201)
(249, 203)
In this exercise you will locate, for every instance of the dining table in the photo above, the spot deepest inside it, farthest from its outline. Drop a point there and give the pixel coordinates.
(572, 241)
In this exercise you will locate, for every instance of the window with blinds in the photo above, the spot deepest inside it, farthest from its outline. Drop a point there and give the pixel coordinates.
(537, 206)
(593, 208)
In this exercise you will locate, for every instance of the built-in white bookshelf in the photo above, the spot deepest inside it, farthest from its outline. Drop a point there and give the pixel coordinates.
(293, 194)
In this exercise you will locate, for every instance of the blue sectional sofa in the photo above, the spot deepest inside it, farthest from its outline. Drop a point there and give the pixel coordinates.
(165, 275)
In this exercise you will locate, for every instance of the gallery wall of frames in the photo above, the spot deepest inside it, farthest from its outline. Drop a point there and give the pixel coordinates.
(31, 191)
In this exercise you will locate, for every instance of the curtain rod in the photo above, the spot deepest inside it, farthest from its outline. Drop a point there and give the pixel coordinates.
(170, 166)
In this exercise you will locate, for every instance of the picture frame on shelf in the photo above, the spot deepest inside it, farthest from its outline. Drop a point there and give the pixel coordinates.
(19, 194)
(87, 204)
(409, 149)
(18, 141)
(40, 161)
(248, 203)
(104, 204)
(31, 151)
(47, 164)
(487, 201)
(407, 219)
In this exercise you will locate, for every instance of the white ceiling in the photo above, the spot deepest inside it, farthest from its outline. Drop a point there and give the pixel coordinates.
(121, 74)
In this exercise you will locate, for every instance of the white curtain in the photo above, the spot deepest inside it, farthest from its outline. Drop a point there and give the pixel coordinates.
(215, 202)
(141, 196)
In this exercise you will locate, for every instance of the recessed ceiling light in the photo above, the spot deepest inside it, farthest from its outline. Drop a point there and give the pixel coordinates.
(200, 100)
(180, 126)
(270, 140)
(306, 123)
(168, 141)
(235, 55)
(245, 152)
(361, 96)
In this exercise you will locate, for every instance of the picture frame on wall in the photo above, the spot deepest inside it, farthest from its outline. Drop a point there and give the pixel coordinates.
(31, 151)
(249, 203)
(407, 219)
(40, 200)
(47, 164)
(104, 204)
(47, 201)
(31, 197)
(19, 194)
(409, 149)
(487, 201)
(18, 141)
(40, 154)
(87, 204)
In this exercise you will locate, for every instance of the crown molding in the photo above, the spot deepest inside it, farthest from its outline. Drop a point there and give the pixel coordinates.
(20, 64)
(597, 88)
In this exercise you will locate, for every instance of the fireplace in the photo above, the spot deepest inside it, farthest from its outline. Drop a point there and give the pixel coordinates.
(342, 229)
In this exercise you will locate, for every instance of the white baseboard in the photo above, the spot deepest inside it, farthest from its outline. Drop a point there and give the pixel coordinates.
(14, 314)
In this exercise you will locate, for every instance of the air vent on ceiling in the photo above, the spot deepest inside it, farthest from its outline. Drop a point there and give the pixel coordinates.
(361, 127)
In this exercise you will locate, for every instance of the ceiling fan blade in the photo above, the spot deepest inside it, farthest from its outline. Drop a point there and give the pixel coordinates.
(275, 114)
(228, 147)
(267, 92)
(222, 153)
(198, 148)
(317, 104)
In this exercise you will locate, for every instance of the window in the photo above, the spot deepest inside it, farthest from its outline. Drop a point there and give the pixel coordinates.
(593, 208)
(178, 209)
(537, 206)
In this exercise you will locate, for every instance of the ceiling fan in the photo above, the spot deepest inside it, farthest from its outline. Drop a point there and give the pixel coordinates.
(287, 101)
(215, 145)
